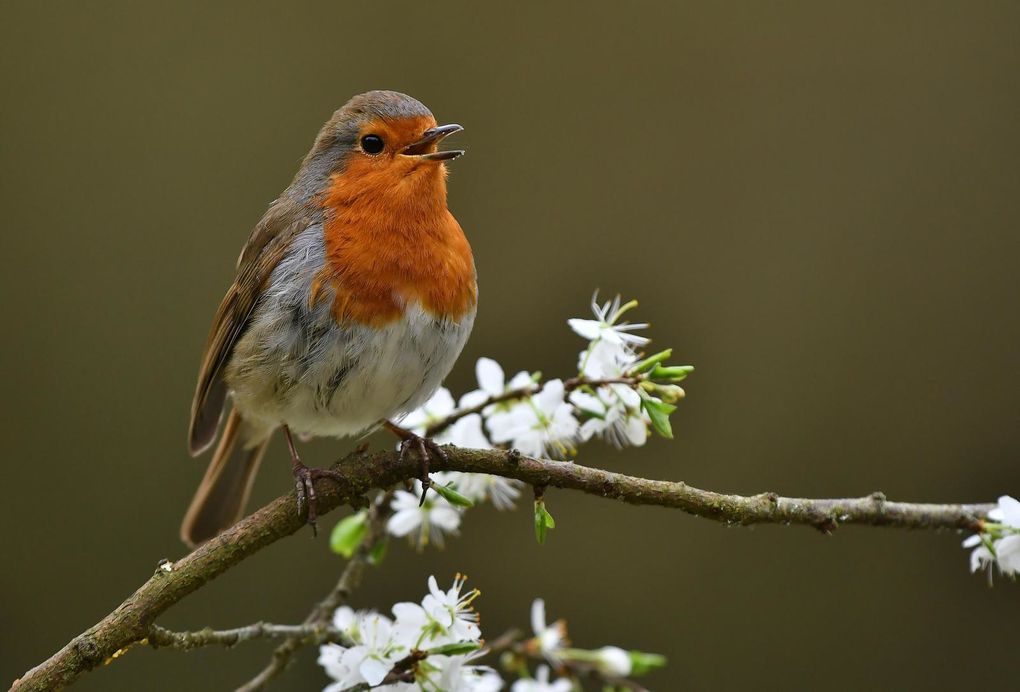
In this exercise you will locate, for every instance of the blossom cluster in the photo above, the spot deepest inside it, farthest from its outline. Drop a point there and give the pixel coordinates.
(617, 395)
(444, 625)
(438, 643)
(999, 541)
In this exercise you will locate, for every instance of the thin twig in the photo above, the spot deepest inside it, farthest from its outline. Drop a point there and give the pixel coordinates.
(519, 393)
(131, 621)
(160, 637)
(340, 594)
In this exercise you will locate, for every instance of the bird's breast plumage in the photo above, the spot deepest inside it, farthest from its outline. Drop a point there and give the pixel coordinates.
(301, 363)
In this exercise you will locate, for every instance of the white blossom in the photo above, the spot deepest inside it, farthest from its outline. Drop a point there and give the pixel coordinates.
(541, 683)
(615, 414)
(444, 617)
(1004, 540)
(539, 425)
(455, 674)
(465, 432)
(427, 523)
(492, 383)
(606, 327)
(371, 658)
(482, 487)
(550, 638)
(437, 408)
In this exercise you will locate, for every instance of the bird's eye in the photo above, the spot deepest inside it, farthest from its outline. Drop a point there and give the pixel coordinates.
(372, 144)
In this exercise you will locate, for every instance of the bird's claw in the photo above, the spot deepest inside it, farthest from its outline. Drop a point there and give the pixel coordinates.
(425, 449)
(304, 486)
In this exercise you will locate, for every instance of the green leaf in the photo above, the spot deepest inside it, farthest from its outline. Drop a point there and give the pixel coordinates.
(642, 662)
(454, 649)
(348, 534)
(658, 412)
(448, 493)
(543, 521)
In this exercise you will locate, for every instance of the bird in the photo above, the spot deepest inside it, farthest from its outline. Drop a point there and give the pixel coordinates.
(353, 297)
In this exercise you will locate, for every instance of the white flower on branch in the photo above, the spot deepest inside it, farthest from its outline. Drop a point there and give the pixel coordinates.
(539, 425)
(444, 617)
(437, 408)
(606, 327)
(541, 683)
(465, 432)
(492, 383)
(456, 674)
(999, 544)
(428, 523)
(482, 487)
(614, 413)
(372, 657)
(548, 638)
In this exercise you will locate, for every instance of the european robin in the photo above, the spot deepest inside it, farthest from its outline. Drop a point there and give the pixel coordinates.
(353, 297)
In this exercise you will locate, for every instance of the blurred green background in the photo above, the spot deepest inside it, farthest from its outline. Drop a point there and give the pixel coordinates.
(816, 203)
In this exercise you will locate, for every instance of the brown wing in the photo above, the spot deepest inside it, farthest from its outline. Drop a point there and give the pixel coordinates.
(265, 248)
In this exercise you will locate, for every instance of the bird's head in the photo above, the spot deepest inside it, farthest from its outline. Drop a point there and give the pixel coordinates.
(381, 140)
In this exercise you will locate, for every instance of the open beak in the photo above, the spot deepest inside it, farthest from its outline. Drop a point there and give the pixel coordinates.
(425, 148)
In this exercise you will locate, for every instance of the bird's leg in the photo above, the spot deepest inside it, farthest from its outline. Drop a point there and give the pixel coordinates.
(425, 448)
(304, 481)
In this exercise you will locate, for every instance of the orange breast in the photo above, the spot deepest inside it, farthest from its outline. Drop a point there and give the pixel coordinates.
(390, 241)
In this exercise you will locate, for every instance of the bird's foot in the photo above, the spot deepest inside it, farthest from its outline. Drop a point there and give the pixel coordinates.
(304, 484)
(425, 448)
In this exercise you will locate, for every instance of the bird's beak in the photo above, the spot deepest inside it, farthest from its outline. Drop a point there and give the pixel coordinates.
(425, 148)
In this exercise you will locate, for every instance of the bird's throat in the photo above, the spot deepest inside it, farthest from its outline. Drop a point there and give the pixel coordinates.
(390, 241)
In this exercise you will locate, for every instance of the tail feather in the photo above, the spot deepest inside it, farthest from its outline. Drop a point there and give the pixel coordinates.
(223, 493)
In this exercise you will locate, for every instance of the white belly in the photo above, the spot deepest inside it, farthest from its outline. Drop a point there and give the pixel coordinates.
(295, 366)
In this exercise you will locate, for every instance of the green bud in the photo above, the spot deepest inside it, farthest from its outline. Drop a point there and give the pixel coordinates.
(543, 521)
(651, 361)
(670, 393)
(448, 493)
(642, 662)
(348, 534)
(674, 373)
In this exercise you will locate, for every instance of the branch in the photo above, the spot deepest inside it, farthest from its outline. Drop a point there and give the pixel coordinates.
(131, 622)
(160, 637)
(519, 393)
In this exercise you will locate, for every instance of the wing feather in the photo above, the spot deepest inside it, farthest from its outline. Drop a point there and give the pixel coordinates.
(267, 245)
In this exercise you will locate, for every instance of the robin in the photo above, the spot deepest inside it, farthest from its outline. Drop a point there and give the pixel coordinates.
(354, 295)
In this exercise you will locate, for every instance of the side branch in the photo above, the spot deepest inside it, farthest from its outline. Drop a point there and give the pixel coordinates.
(132, 621)
(307, 634)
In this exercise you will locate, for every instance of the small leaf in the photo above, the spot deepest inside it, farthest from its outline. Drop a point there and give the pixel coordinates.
(454, 649)
(658, 412)
(543, 521)
(642, 662)
(348, 534)
(448, 493)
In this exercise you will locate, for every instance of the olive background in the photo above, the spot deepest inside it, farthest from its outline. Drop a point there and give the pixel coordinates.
(816, 204)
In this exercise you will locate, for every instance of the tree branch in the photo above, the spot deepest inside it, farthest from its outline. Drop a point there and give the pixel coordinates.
(306, 634)
(132, 621)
